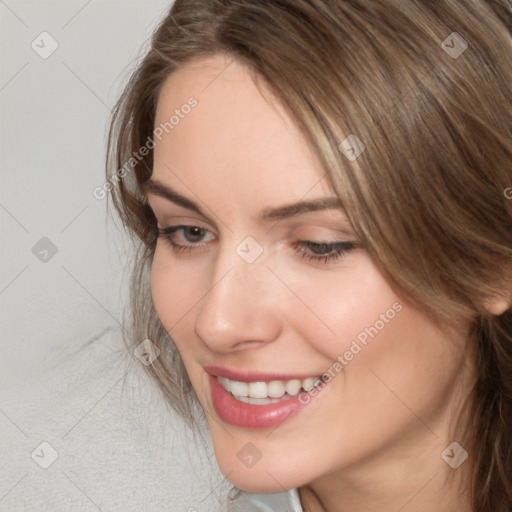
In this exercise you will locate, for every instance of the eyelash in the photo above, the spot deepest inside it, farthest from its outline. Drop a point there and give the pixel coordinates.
(340, 248)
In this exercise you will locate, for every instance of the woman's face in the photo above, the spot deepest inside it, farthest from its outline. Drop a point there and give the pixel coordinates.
(262, 298)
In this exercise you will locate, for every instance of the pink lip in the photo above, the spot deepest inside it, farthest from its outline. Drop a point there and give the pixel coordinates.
(246, 415)
(217, 371)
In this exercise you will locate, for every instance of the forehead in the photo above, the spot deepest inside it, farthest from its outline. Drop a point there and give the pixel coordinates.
(236, 139)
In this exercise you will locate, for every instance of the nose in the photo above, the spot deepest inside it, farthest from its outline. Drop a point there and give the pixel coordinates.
(239, 309)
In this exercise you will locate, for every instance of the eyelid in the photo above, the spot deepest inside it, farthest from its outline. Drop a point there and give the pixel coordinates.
(164, 208)
(183, 221)
(328, 219)
(333, 229)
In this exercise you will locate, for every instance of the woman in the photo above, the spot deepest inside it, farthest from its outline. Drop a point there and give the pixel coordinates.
(319, 193)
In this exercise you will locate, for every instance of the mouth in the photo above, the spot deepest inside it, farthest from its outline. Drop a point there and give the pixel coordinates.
(258, 401)
(263, 393)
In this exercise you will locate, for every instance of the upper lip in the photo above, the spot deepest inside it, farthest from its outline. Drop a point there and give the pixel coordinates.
(254, 376)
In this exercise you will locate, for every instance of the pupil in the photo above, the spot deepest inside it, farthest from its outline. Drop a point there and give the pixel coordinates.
(195, 234)
(321, 248)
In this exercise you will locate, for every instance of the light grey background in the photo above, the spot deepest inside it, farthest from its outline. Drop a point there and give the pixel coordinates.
(65, 379)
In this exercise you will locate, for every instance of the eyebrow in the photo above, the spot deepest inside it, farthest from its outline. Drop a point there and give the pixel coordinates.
(157, 188)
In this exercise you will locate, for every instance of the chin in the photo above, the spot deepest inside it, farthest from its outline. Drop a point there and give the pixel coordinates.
(264, 477)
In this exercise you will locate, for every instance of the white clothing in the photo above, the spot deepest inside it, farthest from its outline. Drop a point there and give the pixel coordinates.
(280, 502)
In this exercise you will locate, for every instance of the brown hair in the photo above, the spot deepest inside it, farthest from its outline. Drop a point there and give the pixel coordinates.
(427, 87)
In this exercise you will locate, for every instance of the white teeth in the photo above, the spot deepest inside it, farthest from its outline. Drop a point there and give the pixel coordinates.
(239, 388)
(257, 401)
(309, 383)
(225, 383)
(276, 389)
(267, 392)
(257, 390)
(292, 387)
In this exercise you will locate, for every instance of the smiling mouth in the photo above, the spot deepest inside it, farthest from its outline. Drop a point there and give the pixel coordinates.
(263, 393)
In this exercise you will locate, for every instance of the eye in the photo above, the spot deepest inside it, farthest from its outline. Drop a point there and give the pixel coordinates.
(323, 252)
(191, 234)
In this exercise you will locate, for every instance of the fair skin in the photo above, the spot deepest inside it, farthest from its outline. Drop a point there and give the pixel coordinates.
(372, 438)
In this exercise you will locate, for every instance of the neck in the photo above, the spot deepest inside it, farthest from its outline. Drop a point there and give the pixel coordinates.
(412, 484)
(408, 475)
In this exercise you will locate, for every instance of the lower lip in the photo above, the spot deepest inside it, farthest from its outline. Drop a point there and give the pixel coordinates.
(246, 415)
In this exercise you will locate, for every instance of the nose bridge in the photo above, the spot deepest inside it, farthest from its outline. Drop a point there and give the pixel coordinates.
(237, 306)
(240, 268)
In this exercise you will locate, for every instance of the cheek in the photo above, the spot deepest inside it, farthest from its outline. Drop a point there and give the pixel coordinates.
(162, 290)
(371, 339)
(174, 291)
(336, 308)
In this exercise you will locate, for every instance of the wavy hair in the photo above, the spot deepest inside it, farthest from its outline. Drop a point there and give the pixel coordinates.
(427, 87)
